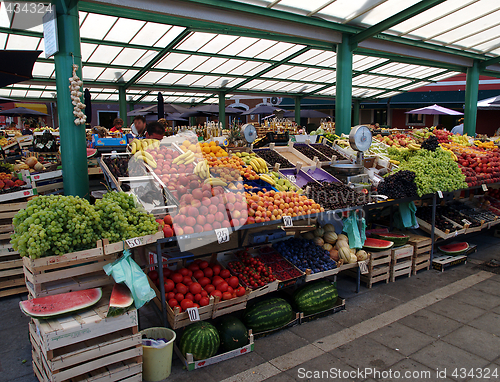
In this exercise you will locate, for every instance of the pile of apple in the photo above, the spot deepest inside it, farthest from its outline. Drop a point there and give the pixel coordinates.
(485, 164)
(443, 136)
(167, 226)
(397, 140)
(216, 281)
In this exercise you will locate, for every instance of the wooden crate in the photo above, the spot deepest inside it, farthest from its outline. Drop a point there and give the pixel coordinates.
(51, 275)
(379, 267)
(421, 252)
(401, 261)
(221, 308)
(87, 346)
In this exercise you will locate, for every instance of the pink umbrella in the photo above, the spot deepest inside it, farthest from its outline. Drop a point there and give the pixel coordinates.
(434, 109)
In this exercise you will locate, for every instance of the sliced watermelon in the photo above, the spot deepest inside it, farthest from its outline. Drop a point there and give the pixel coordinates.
(454, 249)
(59, 304)
(121, 300)
(397, 238)
(377, 245)
(370, 232)
(91, 152)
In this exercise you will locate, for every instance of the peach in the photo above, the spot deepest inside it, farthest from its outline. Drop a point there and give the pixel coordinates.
(197, 193)
(217, 225)
(198, 228)
(188, 230)
(179, 219)
(178, 230)
(221, 208)
(207, 227)
(190, 221)
(225, 223)
(193, 211)
(212, 209)
(210, 218)
(219, 216)
(203, 210)
(201, 219)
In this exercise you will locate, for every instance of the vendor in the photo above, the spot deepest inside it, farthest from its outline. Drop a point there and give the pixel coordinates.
(26, 130)
(117, 125)
(459, 129)
(155, 130)
(140, 127)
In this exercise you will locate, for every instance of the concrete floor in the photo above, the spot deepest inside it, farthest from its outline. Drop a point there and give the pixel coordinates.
(431, 322)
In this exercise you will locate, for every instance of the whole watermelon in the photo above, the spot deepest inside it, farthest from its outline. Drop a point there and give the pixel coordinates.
(201, 339)
(268, 315)
(315, 297)
(233, 334)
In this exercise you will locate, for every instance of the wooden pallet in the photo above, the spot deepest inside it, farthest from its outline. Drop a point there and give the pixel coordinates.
(51, 275)
(87, 346)
(421, 252)
(401, 261)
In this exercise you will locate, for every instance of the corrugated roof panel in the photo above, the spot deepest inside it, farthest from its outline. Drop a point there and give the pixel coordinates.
(124, 30)
(96, 26)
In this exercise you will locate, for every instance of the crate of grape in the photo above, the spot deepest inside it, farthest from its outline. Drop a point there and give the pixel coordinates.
(335, 156)
(308, 257)
(120, 170)
(312, 153)
(444, 227)
(285, 271)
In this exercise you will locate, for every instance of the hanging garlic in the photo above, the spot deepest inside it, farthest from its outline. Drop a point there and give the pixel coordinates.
(75, 91)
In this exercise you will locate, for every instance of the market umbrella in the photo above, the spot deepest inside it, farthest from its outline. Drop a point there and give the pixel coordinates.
(160, 106)
(434, 109)
(175, 117)
(16, 66)
(307, 113)
(87, 100)
(7, 100)
(214, 109)
(142, 111)
(19, 111)
(496, 101)
(261, 109)
(492, 103)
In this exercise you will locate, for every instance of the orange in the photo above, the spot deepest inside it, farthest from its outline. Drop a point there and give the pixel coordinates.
(186, 143)
(192, 147)
(212, 143)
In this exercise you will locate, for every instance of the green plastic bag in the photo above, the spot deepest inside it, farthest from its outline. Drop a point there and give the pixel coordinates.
(355, 232)
(406, 217)
(125, 270)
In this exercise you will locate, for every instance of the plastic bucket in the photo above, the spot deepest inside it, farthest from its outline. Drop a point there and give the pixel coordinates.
(157, 363)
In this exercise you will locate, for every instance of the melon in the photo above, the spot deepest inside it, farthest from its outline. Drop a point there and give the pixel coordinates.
(315, 297)
(121, 300)
(341, 243)
(269, 314)
(200, 339)
(319, 241)
(327, 246)
(329, 228)
(330, 237)
(319, 232)
(334, 254)
(91, 152)
(342, 237)
(308, 236)
(345, 254)
(377, 244)
(361, 255)
(397, 238)
(353, 259)
(59, 304)
(454, 249)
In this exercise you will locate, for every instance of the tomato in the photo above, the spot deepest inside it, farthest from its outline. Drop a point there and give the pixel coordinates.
(216, 293)
(193, 267)
(177, 277)
(230, 289)
(233, 281)
(197, 297)
(183, 271)
(217, 280)
(166, 272)
(204, 293)
(186, 304)
(172, 302)
(225, 273)
(179, 297)
(195, 305)
(198, 274)
(190, 274)
(189, 282)
(227, 296)
(181, 288)
(204, 281)
(203, 264)
(153, 275)
(169, 285)
(169, 295)
(216, 268)
(204, 301)
(186, 280)
(209, 288)
(208, 272)
(222, 286)
(189, 296)
(195, 288)
(240, 291)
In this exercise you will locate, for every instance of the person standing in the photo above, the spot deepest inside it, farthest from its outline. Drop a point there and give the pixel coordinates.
(26, 130)
(140, 127)
(459, 129)
(155, 131)
(117, 125)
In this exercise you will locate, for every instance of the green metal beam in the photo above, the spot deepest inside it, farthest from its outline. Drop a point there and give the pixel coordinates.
(297, 110)
(491, 61)
(158, 57)
(355, 112)
(142, 96)
(222, 109)
(471, 97)
(343, 90)
(122, 101)
(389, 22)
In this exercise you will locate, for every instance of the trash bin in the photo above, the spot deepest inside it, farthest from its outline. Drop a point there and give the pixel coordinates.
(157, 363)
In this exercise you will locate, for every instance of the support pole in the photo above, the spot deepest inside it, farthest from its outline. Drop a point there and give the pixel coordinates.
(122, 101)
(355, 112)
(343, 91)
(73, 140)
(471, 95)
(222, 109)
(297, 110)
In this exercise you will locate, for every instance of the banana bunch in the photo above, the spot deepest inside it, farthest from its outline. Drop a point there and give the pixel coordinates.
(143, 144)
(452, 154)
(215, 182)
(186, 158)
(245, 157)
(259, 166)
(414, 146)
(266, 178)
(202, 170)
(146, 157)
(396, 162)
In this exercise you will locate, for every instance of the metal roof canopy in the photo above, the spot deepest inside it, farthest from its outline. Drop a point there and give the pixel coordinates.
(191, 52)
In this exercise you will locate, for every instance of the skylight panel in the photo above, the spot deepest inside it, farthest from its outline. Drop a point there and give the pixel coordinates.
(96, 26)
(124, 30)
(196, 41)
(18, 42)
(105, 54)
(218, 43)
(150, 34)
(169, 36)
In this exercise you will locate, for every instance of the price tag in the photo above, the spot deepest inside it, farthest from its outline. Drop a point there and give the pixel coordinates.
(440, 194)
(292, 178)
(193, 314)
(222, 235)
(485, 187)
(135, 242)
(465, 221)
(363, 268)
(287, 221)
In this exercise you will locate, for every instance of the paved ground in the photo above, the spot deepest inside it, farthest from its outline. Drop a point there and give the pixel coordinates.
(419, 326)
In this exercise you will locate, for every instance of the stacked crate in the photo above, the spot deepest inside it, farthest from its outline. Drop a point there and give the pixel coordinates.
(379, 268)
(421, 252)
(401, 261)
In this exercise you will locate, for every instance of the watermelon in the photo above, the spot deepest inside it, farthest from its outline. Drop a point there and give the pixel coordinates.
(201, 339)
(269, 314)
(377, 244)
(316, 297)
(454, 249)
(91, 152)
(397, 238)
(121, 300)
(233, 334)
(59, 304)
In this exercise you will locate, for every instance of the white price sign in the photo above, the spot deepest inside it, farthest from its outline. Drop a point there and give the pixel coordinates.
(287, 221)
(485, 187)
(292, 178)
(222, 235)
(363, 268)
(135, 242)
(440, 194)
(193, 313)
(465, 221)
